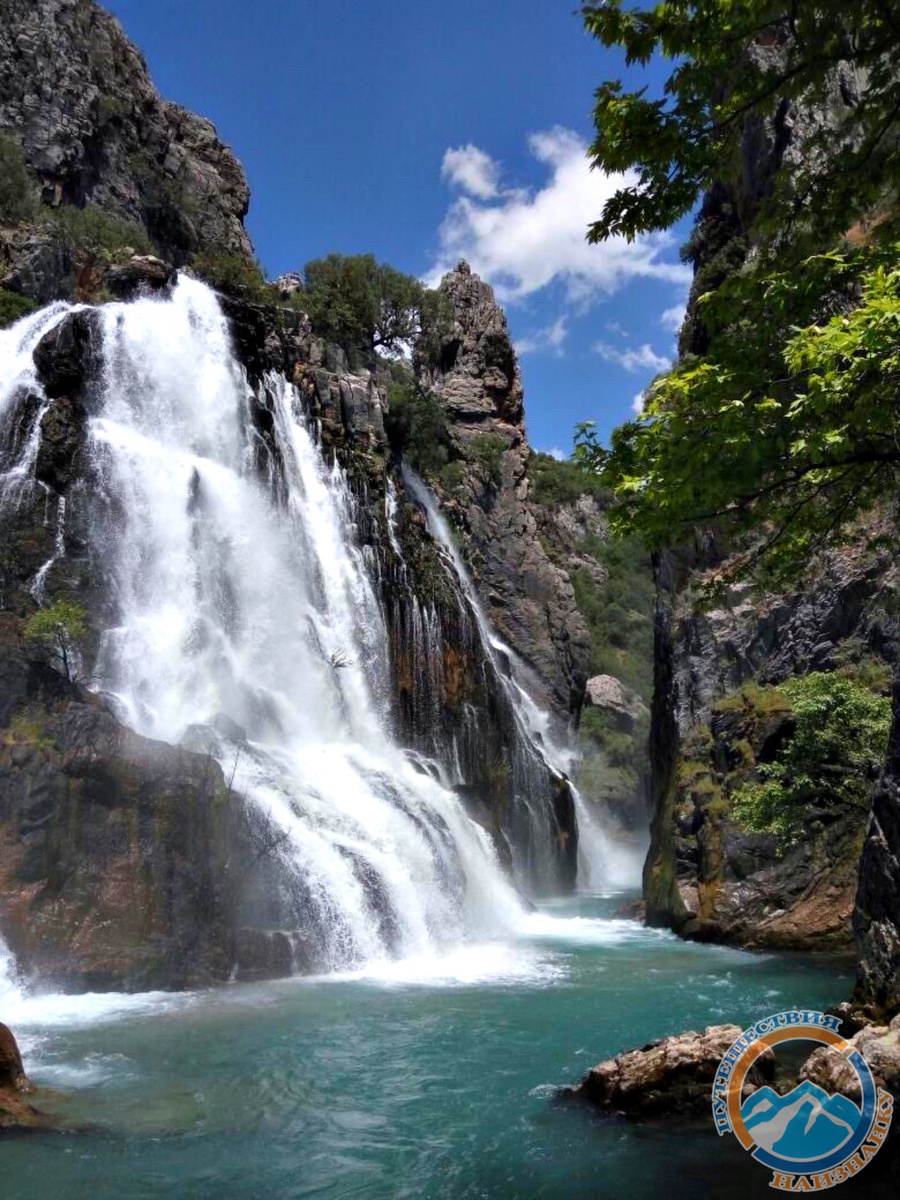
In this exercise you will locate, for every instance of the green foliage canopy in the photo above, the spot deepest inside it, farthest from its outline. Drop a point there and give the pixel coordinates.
(828, 765)
(736, 60)
(366, 305)
(790, 428)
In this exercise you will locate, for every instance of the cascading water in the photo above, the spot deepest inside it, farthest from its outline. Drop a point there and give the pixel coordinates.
(599, 864)
(244, 623)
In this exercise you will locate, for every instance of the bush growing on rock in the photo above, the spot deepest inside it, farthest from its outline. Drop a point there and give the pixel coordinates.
(17, 199)
(13, 306)
(417, 425)
(91, 229)
(58, 628)
(827, 765)
(228, 272)
(488, 449)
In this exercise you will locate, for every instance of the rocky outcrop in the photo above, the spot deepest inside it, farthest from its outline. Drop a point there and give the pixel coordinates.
(611, 696)
(670, 1077)
(528, 598)
(16, 1112)
(76, 94)
(879, 1045)
(706, 876)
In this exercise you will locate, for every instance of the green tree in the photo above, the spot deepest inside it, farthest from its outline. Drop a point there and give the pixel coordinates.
(58, 628)
(17, 192)
(488, 449)
(785, 429)
(829, 763)
(736, 60)
(367, 306)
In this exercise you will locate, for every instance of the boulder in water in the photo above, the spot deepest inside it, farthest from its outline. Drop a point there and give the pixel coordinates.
(668, 1077)
(15, 1110)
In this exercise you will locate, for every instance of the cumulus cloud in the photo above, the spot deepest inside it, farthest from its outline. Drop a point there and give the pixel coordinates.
(473, 171)
(644, 358)
(637, 403)
(522, 240)
(551, 337)
(559, 455)
(673, 317)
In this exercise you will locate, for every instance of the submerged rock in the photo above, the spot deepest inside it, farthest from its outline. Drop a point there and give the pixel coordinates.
(668, 1077)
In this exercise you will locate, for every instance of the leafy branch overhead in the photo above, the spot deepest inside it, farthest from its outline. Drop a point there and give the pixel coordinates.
(782, 428)
(736, 61)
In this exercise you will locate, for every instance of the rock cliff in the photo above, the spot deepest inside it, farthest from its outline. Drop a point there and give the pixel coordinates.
(528, 597)
(76, 95)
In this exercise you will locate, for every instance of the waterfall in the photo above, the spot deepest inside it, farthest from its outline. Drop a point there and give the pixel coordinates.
(243, 623)
(599, 865)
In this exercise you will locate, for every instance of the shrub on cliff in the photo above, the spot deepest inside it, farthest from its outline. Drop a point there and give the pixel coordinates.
(416, 424)
(827, 765)
(91, 230)
(234, 274)
(488, 450)
(367, 306)
(13, 306)
(58, 628)
(17, 193)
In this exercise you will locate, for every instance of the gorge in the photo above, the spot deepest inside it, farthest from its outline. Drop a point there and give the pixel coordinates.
(335, 728)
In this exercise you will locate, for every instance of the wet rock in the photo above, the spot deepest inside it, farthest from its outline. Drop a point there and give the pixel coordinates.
(529, 598)
(68, 357)
(62, 438)
(673, 1076)
(142, 273)
(260, 954)
(16, 1112)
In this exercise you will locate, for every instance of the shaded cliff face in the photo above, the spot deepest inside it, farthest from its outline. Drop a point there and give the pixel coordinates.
(528, 597)
(706, 875)
(75, 93)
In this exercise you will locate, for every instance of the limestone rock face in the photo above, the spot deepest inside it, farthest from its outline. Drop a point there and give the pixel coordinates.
(673, 1076)
(76, 94)
(528, 598)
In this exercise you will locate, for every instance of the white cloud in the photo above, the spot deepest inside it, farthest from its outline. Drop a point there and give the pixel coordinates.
(559, 455)
(522, 240)
(551, 337)
(637, 403)
(644, 358)
(472, 170)
(673, 317)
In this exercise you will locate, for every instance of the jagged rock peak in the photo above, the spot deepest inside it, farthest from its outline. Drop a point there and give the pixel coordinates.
(77, 95)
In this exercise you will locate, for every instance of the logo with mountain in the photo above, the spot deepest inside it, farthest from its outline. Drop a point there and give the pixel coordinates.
(810, 1138)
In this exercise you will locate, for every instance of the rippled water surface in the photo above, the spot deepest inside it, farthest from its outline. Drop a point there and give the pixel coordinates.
(430, 1078)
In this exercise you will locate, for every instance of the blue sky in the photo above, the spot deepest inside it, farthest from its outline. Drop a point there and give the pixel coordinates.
(422, 132)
